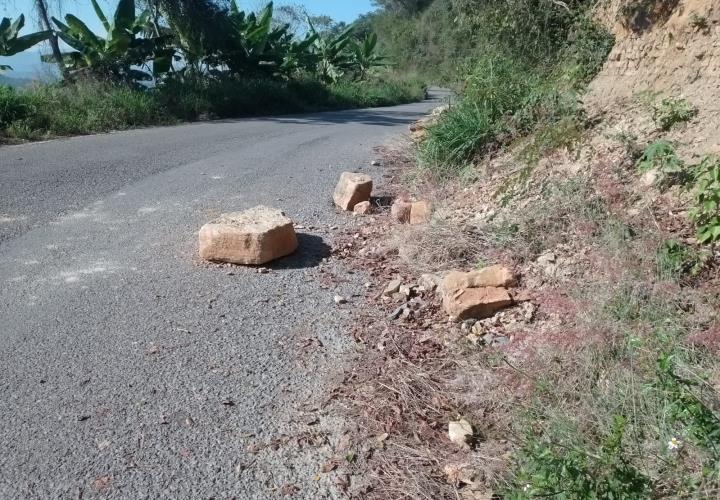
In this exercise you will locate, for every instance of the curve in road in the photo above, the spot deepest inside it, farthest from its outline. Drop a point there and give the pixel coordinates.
(128, 369)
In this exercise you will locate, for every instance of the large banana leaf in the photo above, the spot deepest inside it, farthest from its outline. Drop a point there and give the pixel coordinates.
(115, 55)
(101, 15)
(11, 43)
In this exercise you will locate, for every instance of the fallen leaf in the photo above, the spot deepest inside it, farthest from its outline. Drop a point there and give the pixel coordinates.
(102, 483)
(330, 466)
(289, 489)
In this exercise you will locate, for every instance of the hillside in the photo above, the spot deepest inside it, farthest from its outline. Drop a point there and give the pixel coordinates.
(600, 379)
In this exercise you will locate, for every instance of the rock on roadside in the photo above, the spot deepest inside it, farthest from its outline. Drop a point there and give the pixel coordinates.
(351, 189)
(410, 212)
(420, 212)
(363, 208)
(252, 237)
(477, 294)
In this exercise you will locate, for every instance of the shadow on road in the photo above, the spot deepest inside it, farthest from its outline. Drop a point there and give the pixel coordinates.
(384, 118)
(310, 253)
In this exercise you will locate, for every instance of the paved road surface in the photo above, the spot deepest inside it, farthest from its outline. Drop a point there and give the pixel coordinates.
(128, 369)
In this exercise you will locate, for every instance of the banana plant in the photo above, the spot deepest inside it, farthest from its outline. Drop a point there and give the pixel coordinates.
(11, 43)
(365, 56)
(254, 44)
(332, 57)
(121, 51)
(299, 56)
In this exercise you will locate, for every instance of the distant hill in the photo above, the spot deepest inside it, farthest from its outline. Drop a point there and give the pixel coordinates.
(14, 82)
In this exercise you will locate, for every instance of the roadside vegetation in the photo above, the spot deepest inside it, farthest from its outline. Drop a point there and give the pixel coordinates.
(518, 66)
(161, 66)
(605, 384)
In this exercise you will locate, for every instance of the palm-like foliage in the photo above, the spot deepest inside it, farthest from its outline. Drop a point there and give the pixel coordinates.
(366, 57)
(11, 43)
(332, 57)
(254, 44)
(120, 53)
(240, 44)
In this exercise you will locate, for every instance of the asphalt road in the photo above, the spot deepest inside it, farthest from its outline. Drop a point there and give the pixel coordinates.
(129, 369)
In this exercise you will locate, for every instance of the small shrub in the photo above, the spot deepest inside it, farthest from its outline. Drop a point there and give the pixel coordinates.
(566, 133)
(12, 106)
(669, 112)
(706, 212)
(640, 15)
(660, 155)
(91, 107)
(701, 423)
(699, 21)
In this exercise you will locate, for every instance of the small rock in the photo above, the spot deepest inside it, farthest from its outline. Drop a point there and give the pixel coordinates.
(339, 299)
(407, 290)
(650, 178)
(375, 163)
(546, 258)
(430, 281)
(363, 208)
(392, 287)
(460, 432)
(400, 211)
(479, 302)
(467, 325)
(352, 188)
(440, 110)
(397, 312)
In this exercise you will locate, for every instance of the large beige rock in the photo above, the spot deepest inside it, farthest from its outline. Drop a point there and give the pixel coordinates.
(352, 188)
(477, 294)
(477, 303)
(493, 276)
(252, 237)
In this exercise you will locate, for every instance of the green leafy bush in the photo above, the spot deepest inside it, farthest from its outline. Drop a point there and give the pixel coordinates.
(660, 155)
(533, 60)
(12, 106)
(669, 112)
(706, 212)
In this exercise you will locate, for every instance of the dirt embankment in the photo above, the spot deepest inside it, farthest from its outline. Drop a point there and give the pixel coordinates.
(584, 389)
(667, 46)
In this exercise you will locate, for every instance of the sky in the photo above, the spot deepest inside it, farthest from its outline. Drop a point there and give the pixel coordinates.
(27, 65)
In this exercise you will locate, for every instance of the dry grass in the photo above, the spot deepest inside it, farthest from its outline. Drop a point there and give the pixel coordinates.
(440, 246)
